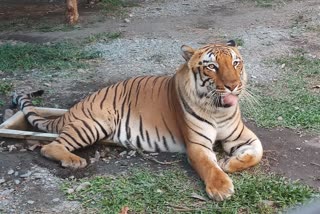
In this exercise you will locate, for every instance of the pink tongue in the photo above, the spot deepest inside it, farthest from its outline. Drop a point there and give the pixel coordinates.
(230, 99)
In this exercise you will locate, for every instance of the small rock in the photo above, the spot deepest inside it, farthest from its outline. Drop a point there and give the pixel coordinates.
(55, 199)
(7, 114)
(70, 191)
(97, 155)
(22, 150)
(154, 154)
(127, 20)
(47, 84)
(33, 147)
(17, 181)
(80, 70)
(37, 175)
(83, 186)
(30, 202)
(130, 15)
(283, 65)
(159, 191)
(11, 147)
(123, 153)
(2, 180)
(10, 172)
(2, 142)
(280, 118)
(298, 148)
(132, 153)
(25, 175)
(16, 173)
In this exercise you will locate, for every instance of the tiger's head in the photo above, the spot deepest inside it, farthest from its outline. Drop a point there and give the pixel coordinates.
(217, 73)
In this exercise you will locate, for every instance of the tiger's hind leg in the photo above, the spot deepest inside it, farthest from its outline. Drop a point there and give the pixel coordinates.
(76, 135)
(245, 151)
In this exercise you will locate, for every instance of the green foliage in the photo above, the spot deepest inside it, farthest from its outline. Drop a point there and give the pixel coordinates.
(35, 25)
(166, 192)
(239, 41)
(111, 6)
(105, 36)
(37, 101)
(290, 101)
(5, 87)
(54, 56)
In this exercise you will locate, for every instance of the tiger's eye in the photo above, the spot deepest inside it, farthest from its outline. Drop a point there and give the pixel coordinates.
(235, 63)
(211, 66)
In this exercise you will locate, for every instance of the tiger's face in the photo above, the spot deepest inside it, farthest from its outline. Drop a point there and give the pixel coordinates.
(218, 72)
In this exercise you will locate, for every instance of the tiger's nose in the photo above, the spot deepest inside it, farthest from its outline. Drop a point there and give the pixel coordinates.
(231, 86)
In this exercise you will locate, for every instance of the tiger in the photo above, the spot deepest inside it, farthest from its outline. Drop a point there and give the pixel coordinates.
(188, 111)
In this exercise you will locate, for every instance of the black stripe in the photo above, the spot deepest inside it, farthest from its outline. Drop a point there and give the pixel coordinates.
(157, 131)
(198, 133)
(248, 142)
(165, 124)
(169, 92)
(159, 90)
(130, 90)
(29, 114)
(154, 83)
(190, 111)
(138, 143)
(165, 143)
(124, 84)
(235, 129)
(25, 104)
(157, 149)
(104, 98)
(66, 144)
(128, 130)
(115, 96)
(204, 82)
(37, 120)
(148, 139)
(78, 133)
(239, 133)
(141, 127)
(138, 90)
(200, 145)
(73, 139)
(90, 130)
(229, 118)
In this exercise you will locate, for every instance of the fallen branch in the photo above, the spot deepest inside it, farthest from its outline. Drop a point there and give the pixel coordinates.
(140, 152)
(312, 163)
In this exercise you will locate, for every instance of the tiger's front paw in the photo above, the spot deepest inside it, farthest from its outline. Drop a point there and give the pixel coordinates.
(219, 187)
(73, 161)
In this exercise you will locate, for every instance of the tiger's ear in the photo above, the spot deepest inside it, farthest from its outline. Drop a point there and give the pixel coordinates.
(187, 52)
(232, 43)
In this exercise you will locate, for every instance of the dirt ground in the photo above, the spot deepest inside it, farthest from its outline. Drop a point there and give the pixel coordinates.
(150, 42)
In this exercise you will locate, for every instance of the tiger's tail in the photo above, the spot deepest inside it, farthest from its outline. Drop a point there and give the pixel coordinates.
(24, 103)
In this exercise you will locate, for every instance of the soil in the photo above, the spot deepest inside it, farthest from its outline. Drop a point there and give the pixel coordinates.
(150, 43)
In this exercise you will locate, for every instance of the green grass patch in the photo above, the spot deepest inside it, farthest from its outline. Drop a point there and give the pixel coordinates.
(115, 6)
(269, 3)
(45, 25)
(105, 36)
(169, 191)
(5, 87)
(290, 101)
(239, 41)
(39, 56)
